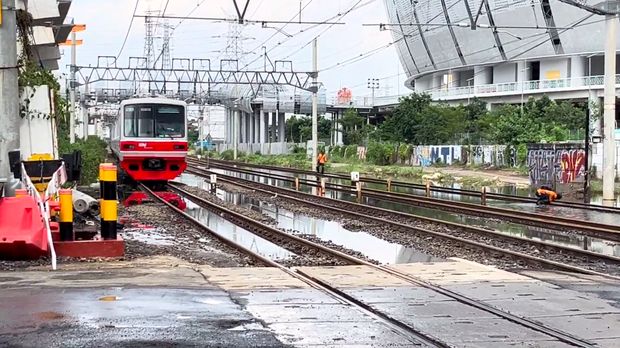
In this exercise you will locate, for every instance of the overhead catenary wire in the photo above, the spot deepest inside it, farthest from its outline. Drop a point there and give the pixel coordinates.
(128, 31)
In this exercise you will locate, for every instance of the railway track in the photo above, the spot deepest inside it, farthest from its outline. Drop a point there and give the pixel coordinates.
(588, 228)
(489, 241)
(414, 335)
(421, 187)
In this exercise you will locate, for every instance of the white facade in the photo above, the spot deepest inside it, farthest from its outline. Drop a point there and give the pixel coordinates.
(506, 57)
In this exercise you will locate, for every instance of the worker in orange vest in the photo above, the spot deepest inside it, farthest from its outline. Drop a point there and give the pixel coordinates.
(546, 195)
(320, 160)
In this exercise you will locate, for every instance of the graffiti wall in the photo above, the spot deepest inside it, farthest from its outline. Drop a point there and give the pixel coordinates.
(452, 154)
(551, 164)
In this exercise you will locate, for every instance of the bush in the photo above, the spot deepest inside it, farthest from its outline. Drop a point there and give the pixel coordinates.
(298, 149)
(350, 151)
(521, 154)
(380, 153)
(227, 155)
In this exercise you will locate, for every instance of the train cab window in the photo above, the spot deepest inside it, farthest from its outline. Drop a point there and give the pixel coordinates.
(170, 122)
(154, 121)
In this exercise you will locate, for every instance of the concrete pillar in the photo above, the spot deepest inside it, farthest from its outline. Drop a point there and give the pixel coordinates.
(578, 70)
(522, 72)
(274, 122)
(257, 138)
(227, 126)
(482, 75)
(281, 127)
(9, 99)
(263, 126)
(244, 126)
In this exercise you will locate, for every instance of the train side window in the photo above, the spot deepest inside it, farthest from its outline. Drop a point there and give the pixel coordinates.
(130, 121)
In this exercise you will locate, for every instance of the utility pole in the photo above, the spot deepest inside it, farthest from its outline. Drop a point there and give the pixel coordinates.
(72, 90)
(9, 98)
(373, 84)
(609, 116)
(315, 117)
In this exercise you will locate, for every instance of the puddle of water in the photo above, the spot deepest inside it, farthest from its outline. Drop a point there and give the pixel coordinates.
(371, 246)
(535, 233)
(152, 236)
(239, 235)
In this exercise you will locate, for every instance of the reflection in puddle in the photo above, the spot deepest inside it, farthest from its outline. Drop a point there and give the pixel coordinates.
(239, 235)
(371, 246)
(535, 233)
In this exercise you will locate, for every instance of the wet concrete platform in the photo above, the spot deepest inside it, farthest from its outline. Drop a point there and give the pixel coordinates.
(166, 302)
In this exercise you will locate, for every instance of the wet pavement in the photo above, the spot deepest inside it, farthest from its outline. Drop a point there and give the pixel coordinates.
(166, 302)
(124, 317)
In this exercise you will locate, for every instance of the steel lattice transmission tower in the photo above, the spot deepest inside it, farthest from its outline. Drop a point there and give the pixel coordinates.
(149, 34)
(166, 43)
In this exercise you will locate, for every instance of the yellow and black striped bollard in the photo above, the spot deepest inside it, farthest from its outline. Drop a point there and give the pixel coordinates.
(66, 215)
(108, 205)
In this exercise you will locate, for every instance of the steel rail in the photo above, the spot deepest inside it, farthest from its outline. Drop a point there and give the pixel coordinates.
(592, 229)
(530, 324)
(366, 213)
(413, 335)
(422, 187)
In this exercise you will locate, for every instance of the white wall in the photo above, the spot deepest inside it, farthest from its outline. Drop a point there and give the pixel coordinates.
(550, 67)
(216, 124)
(504, 73)
(36, 130)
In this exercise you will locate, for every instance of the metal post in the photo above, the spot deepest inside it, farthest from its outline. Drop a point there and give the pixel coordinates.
(586, 174)
(315, 118)
(72, 90)
(609, 117)
(483, 195)
(9, 97)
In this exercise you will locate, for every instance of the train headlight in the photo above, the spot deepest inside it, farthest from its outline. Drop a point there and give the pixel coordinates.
(128, 147)
(179, 147)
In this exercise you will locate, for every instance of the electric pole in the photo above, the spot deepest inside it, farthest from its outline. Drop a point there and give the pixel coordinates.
(72, 90)
(315, 118)
(9, 97)
(609, 115)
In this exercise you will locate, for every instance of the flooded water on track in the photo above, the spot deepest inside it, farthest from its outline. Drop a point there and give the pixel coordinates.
(530, 232)
(371, 246)
(239, 235)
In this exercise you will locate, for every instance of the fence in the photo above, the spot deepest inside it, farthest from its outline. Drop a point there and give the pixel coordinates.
(263, 149)
(496, 155)
(551, 164)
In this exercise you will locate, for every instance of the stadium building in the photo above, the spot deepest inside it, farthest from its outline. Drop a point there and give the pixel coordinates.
(502, 51)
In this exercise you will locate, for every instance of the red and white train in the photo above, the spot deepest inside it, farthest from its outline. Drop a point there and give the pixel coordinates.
(149, 139)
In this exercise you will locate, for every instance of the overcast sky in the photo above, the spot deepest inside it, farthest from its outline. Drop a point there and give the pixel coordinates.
(107, 23)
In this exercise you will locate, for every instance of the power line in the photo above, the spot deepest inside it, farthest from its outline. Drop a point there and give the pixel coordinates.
(128, 30)
(354, 7)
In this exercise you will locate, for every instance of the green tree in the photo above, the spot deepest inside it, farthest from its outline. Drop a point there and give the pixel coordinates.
(299, 128)
(353, 127)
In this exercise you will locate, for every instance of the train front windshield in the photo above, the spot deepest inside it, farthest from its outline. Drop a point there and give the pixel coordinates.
(154, 121)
